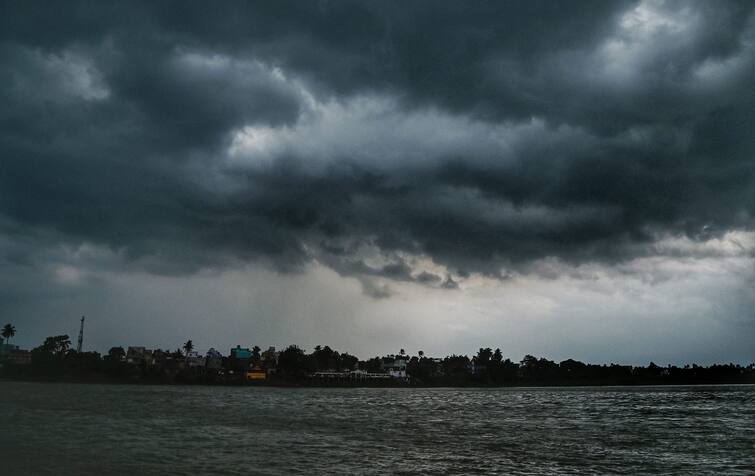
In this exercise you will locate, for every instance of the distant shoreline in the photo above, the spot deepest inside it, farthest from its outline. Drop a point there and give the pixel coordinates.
(305, 384)
(324, 367)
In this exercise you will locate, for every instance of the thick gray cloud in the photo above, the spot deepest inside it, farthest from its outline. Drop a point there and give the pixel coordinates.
(420, 144)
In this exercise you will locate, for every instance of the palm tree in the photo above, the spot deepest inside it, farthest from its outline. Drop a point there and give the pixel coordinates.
(256, 355)
(8, 332)
(188, 347)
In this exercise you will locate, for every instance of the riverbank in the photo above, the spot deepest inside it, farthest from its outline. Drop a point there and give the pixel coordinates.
(409, 383)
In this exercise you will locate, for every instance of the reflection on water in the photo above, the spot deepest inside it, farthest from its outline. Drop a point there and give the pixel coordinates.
(114, 429)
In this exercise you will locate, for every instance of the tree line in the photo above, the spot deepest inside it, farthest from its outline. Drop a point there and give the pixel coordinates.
(55, 359)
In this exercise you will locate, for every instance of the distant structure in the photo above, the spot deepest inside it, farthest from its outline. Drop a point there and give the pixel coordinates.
(81, 335)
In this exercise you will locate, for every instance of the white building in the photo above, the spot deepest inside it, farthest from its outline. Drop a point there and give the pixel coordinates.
(193, 359)
(395, 366)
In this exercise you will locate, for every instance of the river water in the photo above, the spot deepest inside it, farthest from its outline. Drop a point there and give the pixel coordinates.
(119, 429)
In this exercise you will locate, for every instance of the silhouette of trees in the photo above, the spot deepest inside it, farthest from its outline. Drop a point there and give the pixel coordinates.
(489, 366)
(371, 365)
(82, 363)
(484, 355)
(571, 369)
(256, 356)
(507, 372)
(292, 362)
(8, 332)
(269, 359)
(49, 356)
(57, 345)
(117, 354)
(456, 369)
(114, 362)
(325, 358)
(54, 359)
(528, 362)
(538, 369)
(422, 369)
(348, 362)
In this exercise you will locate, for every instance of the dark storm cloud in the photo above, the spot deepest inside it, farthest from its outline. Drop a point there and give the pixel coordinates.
(630, 121)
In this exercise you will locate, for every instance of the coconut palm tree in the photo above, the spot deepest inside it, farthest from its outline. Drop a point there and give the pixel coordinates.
(188, 347)
(8, 332)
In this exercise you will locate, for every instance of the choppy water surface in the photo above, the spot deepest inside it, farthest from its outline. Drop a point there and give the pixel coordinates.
(113, 429)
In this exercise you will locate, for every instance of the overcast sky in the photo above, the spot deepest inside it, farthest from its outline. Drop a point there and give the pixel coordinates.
(563, 179)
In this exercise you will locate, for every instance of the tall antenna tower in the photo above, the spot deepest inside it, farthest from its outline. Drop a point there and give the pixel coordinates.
(81, 335)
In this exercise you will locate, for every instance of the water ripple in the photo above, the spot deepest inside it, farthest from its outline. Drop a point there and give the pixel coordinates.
(113, 429)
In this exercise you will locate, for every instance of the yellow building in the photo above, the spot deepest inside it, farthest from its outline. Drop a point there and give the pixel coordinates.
(255, 375)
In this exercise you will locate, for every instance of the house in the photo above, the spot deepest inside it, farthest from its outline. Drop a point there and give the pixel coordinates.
(239, 352)
(19, 357)
(138, 355)
(193, 360)
(6, 349)
(240, 359)
(214, 360)
(394, 365)
(159, 358)
(174, 361)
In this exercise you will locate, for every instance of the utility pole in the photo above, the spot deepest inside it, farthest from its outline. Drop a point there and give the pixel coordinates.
(81, 335)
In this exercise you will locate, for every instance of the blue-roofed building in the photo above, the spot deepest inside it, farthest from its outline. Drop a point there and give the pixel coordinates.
(239, 352)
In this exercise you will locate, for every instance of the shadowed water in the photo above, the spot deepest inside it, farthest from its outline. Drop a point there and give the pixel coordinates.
(114, 429)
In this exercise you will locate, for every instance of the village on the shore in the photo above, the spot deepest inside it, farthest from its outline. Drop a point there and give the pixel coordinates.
(56, 359)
